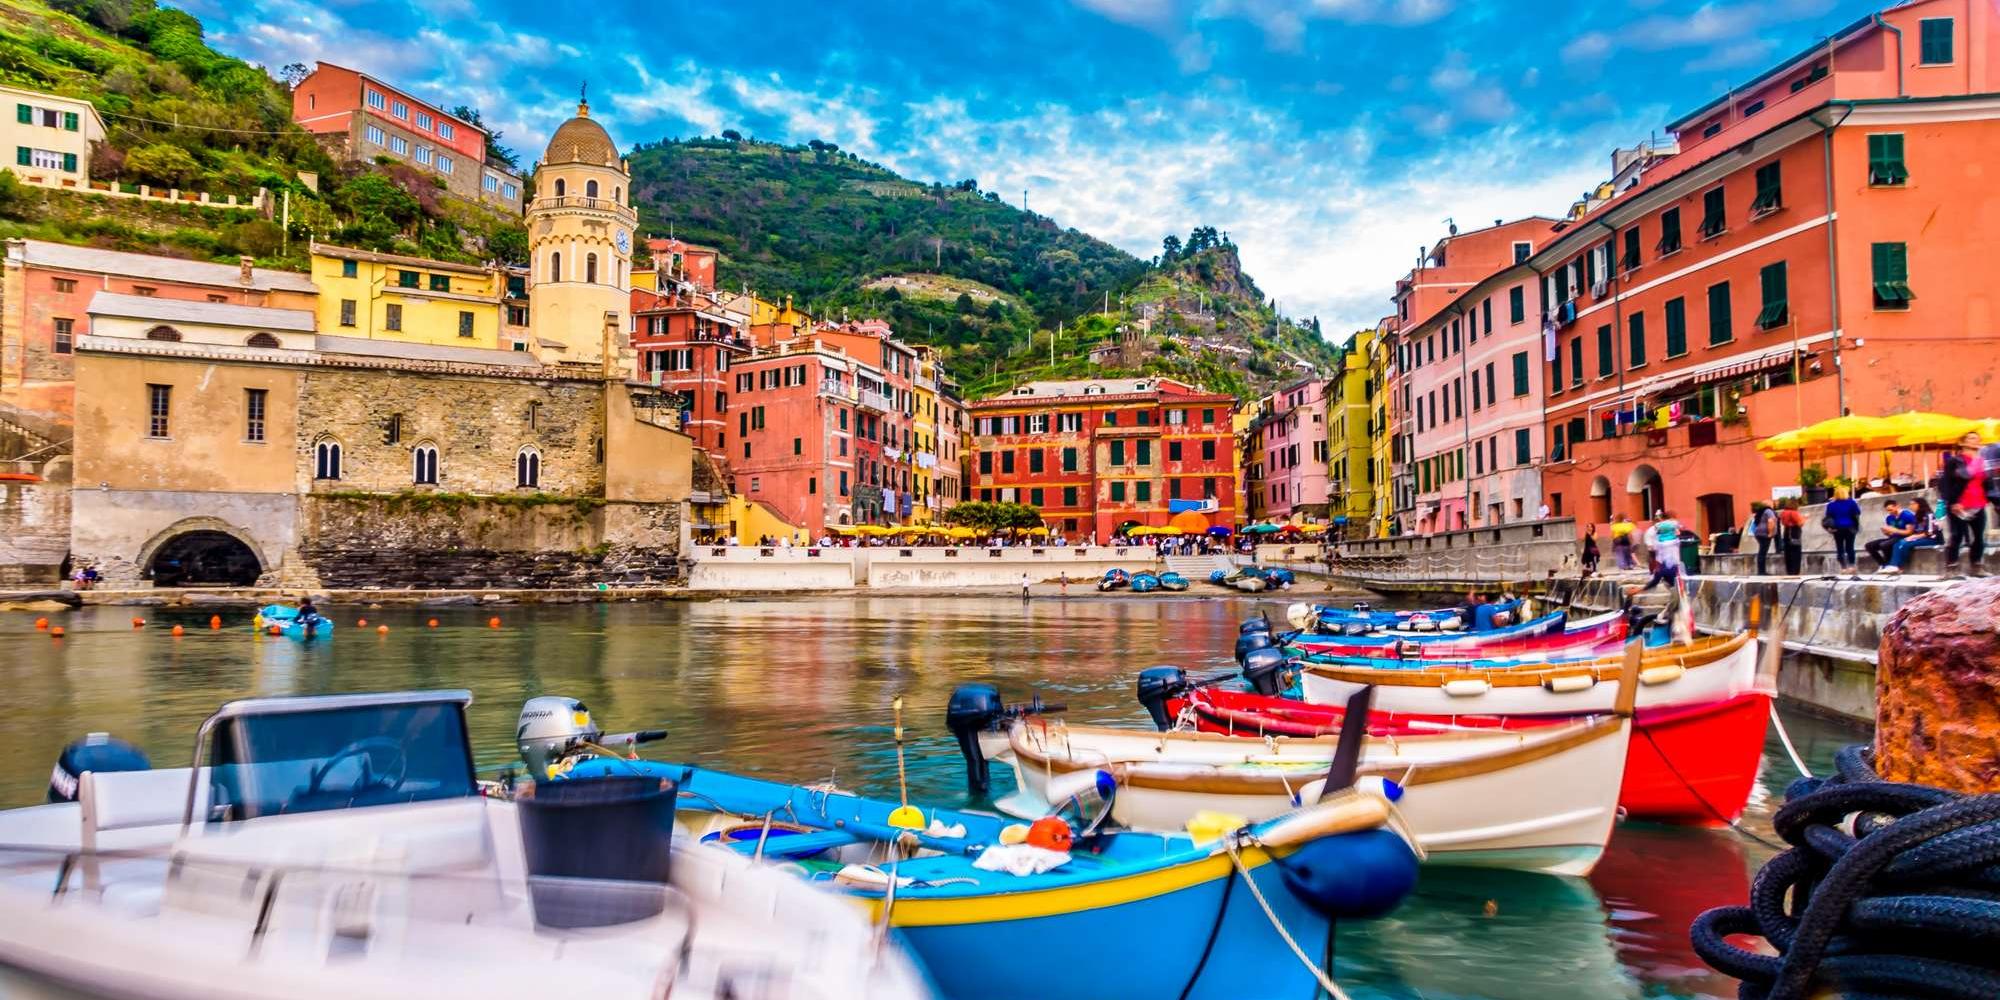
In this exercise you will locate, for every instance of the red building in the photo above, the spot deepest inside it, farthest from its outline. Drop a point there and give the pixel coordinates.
(358, 117)
(1099, 455)
(807, 431)
(687, 341)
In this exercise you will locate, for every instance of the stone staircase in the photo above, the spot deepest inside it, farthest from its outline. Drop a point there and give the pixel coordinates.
(1198, 568)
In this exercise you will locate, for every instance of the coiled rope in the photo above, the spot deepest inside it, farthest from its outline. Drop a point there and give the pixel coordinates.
(1889, 890)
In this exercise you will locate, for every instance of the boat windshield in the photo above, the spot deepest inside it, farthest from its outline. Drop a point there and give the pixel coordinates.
(338, 758)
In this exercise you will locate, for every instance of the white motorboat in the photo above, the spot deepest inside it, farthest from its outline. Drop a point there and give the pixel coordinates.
(339, 846)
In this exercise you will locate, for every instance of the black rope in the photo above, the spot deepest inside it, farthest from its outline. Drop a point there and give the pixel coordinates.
(1214, 932)
(1899, 907)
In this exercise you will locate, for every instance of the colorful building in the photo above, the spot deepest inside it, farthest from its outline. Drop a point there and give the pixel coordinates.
(50, 136)
(1100, 455)
(379, 296)
(1350, 415)
(687, 338)
(1383, 442)
(1292, 452)
(1797, 250)
(358, 117)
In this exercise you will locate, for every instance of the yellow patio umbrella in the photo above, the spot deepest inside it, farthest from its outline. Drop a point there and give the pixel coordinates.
(1139, 530)
(1168, 530)
(842, 529)
(1783, 445)
(1037, 530)
(963, 532)
(1989, 429)
(1312, 529)
(1852, 432)
(1918, 429)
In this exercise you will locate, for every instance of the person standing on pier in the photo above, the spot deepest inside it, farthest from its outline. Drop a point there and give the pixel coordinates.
(1962, 486)
(1621, 541)
(1590, 553)
(1764, 528)
(1791, 535)
(1843, 520)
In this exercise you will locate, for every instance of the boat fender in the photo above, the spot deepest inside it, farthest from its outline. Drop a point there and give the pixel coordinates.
(1375, 784)
(974, 709)
(1156, 685)
(1661, 674)
(1300, 614)
(1362, 874)
(100, 752)
(1569, 683)
(1051, 833)
(1467, 687)
(1249, 641)
(1264, 669)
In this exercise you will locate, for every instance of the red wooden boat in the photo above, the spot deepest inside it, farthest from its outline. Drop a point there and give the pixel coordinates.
(1689, 764)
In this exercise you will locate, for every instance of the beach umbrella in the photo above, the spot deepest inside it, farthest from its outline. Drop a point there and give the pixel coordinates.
(1852, 432)
(1190, 522)
(1038, 530)
(1139, 530)
(1220, 530)
(1312, 529)
(963, 532)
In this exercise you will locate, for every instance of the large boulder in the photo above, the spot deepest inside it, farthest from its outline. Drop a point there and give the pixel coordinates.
(1937, 690)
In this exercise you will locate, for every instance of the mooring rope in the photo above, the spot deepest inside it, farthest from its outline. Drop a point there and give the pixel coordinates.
(1906, 904)
(1325, 981)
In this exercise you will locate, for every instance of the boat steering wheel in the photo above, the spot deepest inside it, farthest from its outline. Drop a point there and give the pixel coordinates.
(366, 749)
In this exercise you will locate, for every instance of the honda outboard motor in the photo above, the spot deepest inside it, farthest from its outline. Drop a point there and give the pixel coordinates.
(96, 752)
(1156, 685)
(974, 709)
(1264, 669)
(1257, 624)
(1249, 641)
(548, 728)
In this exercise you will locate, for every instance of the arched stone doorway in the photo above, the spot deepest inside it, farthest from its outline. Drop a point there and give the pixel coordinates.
(1646, 492)
(201, 551)
(1600, 500)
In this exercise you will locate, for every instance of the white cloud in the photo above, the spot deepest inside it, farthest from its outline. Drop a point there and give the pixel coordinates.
(1591, 46)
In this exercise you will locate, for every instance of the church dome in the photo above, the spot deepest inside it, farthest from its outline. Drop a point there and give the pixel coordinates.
(581, 140)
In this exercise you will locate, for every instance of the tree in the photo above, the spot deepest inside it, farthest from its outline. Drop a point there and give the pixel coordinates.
(107, 162)
(731, 135)
(1170, 249)
(495, 152)
(965, 303)
(509, 245)
(372, 197)
(164, 164)
(294, 74)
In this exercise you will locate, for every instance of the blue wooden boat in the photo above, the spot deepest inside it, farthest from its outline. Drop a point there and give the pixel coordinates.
(1113, 579)
(286, 620)
(1173, 581)
(1129, 914)
(1143, 583)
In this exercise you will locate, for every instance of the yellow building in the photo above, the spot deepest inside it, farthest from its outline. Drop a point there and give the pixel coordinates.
(926, 503)
(1381, 359)
(49, 137)
(379, 296)
(1248, 445)
(1349, 412)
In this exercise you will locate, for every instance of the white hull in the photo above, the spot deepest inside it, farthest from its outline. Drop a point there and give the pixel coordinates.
(1542, 800)
(1734, 674)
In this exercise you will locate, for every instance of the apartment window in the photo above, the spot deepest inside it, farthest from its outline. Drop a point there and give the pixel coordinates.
(843, 482)
(1934, 45)
(1522, 251)
(374, 134)
(1069, 422)
(1117, 453)
(444, 164)
(1774, 312)
(1752, 108)
(1142, 491)
(253, 414)
(1670, 232)
(1677, 334)
(1517, 304)
(756, 418)
(426, 155)
(1491, 396)
(528, 467)
(1892, 275)
(349, 269)
(446, 130)
(400, 110)
(326, 459)
(517, 315)
(1719, 329)
(1631, 258)
(1770, 190)
(409, 279)
(1475, 392)
(1486, 311)
(346, 312)
(399, 145)
(1208, 451)
(1145, 450)
(1576, 362)
(65, 334)
(1635, 331)
(440, 282)
(1069, 459)
(508, 189)
(392, 317)
(1522, 454)
(424, 465)
(798, 446)
(1035, 460)
(1173, 451)
(1069, 496)
(465, 324)
(1605, 363)
(1208, 416)
(1006, 463)
(1208, 488)
(986, 463)
(1713, 214)
(375, 99)
(1885, 160)
(423, 120)
(65, 285)
(158, 399)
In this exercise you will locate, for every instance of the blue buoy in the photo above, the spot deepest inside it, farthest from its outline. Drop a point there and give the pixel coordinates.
(1363, 874)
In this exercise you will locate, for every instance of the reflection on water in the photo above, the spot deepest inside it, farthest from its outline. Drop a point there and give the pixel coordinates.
(800, 689)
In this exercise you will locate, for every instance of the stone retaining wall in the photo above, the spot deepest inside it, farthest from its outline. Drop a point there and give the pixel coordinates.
(391, 543)
(34, 531)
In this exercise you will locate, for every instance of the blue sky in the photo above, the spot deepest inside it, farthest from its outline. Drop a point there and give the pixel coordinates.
(1330, 138)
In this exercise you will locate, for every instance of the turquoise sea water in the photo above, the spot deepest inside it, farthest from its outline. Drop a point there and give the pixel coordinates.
(800, 689)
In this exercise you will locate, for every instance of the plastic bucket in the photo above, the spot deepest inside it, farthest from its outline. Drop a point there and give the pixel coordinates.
(599, 851)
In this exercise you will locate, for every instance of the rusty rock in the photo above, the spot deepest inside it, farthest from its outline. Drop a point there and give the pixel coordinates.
(1937, 690)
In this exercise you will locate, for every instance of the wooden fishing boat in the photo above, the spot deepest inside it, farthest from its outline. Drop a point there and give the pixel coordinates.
(1541, 799)
(1550, 636)
(1688, 764)
(1709, 669)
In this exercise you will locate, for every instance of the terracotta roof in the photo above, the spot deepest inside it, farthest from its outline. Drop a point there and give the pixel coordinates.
(147, 307)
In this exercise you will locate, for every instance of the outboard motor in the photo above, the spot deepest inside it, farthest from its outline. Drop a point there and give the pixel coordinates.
(1257, 624)
(1265, 668)
(1250, 641)
(96, 752)
(1156, 685)
(1363, 607)
(974, 709)
(549, 727)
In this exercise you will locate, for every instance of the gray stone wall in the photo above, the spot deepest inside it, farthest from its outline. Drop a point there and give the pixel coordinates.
(118, 531)
(443, 543)
(34, 531)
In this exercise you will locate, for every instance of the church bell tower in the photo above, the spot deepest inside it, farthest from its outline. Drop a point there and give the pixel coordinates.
(580, 230)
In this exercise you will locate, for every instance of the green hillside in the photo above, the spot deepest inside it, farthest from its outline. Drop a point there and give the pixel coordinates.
(827, 228)
(178, 114)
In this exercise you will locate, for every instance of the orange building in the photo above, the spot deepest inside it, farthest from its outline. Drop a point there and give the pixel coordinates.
(1807, 245)
(686, 338)
(1099, 455)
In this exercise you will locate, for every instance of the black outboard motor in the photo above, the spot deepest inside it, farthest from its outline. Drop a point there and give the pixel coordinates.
(1156, 685)
(1249, 641)
(1257, 624)
(1264, 669)
(1363, 607)
(95, 752)
(974, 709)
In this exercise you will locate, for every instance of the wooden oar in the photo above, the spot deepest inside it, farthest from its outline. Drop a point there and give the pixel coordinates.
(905, 816)
(1347, 751)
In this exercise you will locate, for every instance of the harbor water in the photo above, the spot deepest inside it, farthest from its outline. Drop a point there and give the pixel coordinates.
(800, 689)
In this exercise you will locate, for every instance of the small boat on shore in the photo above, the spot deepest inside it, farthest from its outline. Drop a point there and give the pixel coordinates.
(1553, 635)
(1144, 582)
(1113, 579)
(1172, 581)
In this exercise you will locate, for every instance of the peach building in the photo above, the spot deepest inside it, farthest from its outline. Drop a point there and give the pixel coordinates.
(1291, 453)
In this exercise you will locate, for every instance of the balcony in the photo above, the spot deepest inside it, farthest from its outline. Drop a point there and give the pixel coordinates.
(923, 383)
(574, 203)
(869, 399)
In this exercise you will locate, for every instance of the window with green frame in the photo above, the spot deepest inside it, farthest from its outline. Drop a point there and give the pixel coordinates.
(1892, 275)
(1635, 330)
(1774, 312)
(1720, 328)
(1605, 364)
(1142, 491)
(1522, 455)
(440, 282)
(407, 279)
(1117, 492)
(1520, 374)
(1770, 190)
(1885, 160)
(1677, 328)
(1631, 258)
(1576, 362)
(1117, 453)
(1517, 304)
(1670, 232)
(1145, 450)
(1714, 214)
(1934, 45)
(1559, 450)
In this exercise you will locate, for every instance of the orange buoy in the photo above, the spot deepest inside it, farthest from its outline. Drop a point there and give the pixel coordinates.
(432, 623)
(493, 622)
(41, 623)
(382, 629)
(138, 623)
(277, 630)
(214, 621)
(177, 631)
(55, 632)
(360, 623)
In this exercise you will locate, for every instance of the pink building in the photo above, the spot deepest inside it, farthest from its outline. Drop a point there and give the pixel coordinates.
(1292, 452)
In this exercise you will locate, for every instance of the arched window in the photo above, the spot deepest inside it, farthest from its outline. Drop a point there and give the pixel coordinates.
(424, 464)
(163, 333)
(559, 187)
(555, 267)
(326, 459)
(262, 340)
(590, 189)
(528, 467)
(590, 268)
(617, 194)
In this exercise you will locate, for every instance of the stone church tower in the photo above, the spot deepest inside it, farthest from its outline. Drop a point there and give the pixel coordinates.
(580, 231)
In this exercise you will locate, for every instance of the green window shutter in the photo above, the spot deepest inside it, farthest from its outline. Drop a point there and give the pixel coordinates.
(1522, 453)
(1576, 361)
(1719, 329)
(1631, 249)
(1590, 268)
(70, 122)
(1556, 369)
(1774, 312)
(1891, 275)
(1635, 329)
(69, 163)
(1118, 492)
(1117, 453)
(1885, 160)
(1936, 40)
(1520, 373)
(23, 155)
(24, 114)
(1145, 449)
(1142, 491)
(1677, 334)
(1605, 366)
(1770, 189)
(1670, 232)
(1517, 304)
(1714, 214)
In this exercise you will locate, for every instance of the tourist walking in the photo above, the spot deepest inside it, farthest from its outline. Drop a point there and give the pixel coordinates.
(1843, 520)
(1664, 540)
(1621, 542)
(1962, 487)
(1791, 536)
(1764, 528)
(1590, 554)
